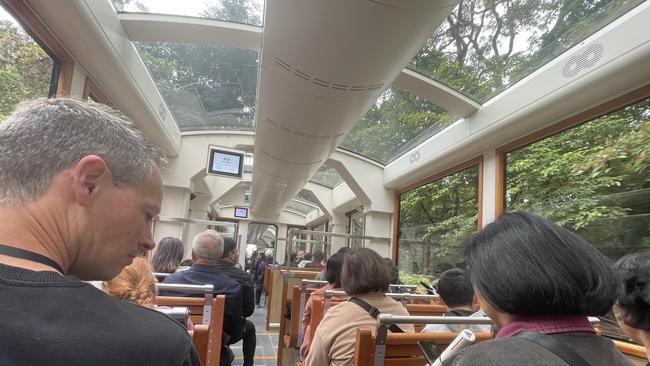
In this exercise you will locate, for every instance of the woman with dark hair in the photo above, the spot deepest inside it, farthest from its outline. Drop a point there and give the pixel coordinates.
(539, 282)
(168, 255)
(333, 276)
(365, 276)
(632, 309)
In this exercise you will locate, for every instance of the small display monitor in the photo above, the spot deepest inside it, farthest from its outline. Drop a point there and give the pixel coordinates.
(225, 162)
(241, 212)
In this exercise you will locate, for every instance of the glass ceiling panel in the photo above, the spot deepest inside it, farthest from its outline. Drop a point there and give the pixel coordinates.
(300, 206)
(206, 88)
(396, 122)
(327, 177)
(236, 11)
(485, 46)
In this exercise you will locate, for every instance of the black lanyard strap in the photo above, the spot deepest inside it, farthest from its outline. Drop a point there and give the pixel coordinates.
(30, 256)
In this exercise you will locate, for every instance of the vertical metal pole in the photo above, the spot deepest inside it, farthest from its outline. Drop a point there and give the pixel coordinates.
(380, 346)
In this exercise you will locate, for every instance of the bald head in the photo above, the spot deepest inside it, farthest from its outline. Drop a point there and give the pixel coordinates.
(207, 246)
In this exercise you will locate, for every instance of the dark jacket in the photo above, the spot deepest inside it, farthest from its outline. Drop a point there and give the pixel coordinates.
(515, 350)
(200, 274)
(244, 280)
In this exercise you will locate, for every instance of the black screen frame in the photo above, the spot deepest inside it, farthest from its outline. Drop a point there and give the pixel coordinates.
(214, 151)
(240, 208)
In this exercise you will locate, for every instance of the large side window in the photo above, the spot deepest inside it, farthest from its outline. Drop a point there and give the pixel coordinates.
(27, 70)
(593, 179)
(434, 221)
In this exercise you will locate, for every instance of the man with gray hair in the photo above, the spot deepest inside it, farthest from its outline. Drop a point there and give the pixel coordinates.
(207, 250)
(79, 188)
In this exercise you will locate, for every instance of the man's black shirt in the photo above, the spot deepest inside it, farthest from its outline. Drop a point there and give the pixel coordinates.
(246, 283)
(49, 319)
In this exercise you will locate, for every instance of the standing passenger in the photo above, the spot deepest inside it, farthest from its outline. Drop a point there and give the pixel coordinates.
(79, 188)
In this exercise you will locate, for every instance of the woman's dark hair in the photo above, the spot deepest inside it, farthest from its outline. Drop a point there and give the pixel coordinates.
(525, 264)
(318, 257)
(364, 271)
(455, 288)
(333, 270)
(633, 272)
(168, 255)
(394, 272)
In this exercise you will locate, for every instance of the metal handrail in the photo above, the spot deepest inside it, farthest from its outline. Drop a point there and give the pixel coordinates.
(208, 289)
(385, 320)
(161, 274)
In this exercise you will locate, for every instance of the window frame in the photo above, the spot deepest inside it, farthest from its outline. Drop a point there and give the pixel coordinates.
(38, 30)
(477, 161)
(92, 91)
(598, 111)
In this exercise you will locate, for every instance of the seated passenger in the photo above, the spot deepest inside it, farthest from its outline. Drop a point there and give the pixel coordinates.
(456, 292)
(259, 285)
(632, 309)
(137, 285)
(227, 266)
(207, 250)
(167, 256)
(365, 276)
(333, 277)
(79, 188)
(317, 260)
(305, 261)
(536, 279)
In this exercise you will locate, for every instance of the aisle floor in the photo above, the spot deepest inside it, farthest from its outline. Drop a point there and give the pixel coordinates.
(267, 342)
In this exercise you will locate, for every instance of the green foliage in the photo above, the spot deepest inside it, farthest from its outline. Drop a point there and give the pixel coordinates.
(25, 69)
(593, 179)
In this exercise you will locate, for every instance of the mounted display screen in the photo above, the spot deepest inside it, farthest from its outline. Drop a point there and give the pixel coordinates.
(241, 212)
(224, 162)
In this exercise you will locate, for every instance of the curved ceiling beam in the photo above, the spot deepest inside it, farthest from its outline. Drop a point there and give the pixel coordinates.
(436, 93)
(173, 28)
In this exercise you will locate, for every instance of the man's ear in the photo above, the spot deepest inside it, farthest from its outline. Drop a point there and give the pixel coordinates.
(87, 175)
(193, 256)
(476, 305)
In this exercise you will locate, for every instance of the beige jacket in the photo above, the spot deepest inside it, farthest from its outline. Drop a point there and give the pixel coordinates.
(334, 341)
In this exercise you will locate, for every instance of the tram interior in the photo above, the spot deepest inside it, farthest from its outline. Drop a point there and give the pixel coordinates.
(399, 126)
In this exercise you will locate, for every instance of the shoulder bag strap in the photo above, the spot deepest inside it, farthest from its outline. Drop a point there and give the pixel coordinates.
(373, 312)
(561, 350)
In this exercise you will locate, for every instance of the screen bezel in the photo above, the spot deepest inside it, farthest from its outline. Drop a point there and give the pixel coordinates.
(211, 153)
(240, 208)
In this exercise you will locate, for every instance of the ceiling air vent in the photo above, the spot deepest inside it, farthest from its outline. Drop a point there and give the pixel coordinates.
(583, 59)
(324, 83)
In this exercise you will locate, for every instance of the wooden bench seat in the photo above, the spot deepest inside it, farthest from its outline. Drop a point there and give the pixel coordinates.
(207, 338)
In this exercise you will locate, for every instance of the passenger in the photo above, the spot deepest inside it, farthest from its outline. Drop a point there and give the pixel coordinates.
(321, 276)
(333, 276)
(532, 278)
(457, 294)
(207, 250)
(365, 276)
(317, 260)
(137, 285)
(259, 286)
(299, 257)
(167, 256)
(256, 265)
(305, 261)
(394, 276)
(227, 266)
(632, 309)
(79, 188)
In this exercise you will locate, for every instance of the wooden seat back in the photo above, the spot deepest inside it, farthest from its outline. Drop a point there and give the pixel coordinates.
(279, 292)
(425, 310)
(194, 304)
(637, 354)
(207, 339)
(317, 313)
(401, 348)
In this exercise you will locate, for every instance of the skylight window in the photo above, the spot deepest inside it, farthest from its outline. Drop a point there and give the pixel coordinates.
(206, 88)
(237, 11)
(486, 46)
